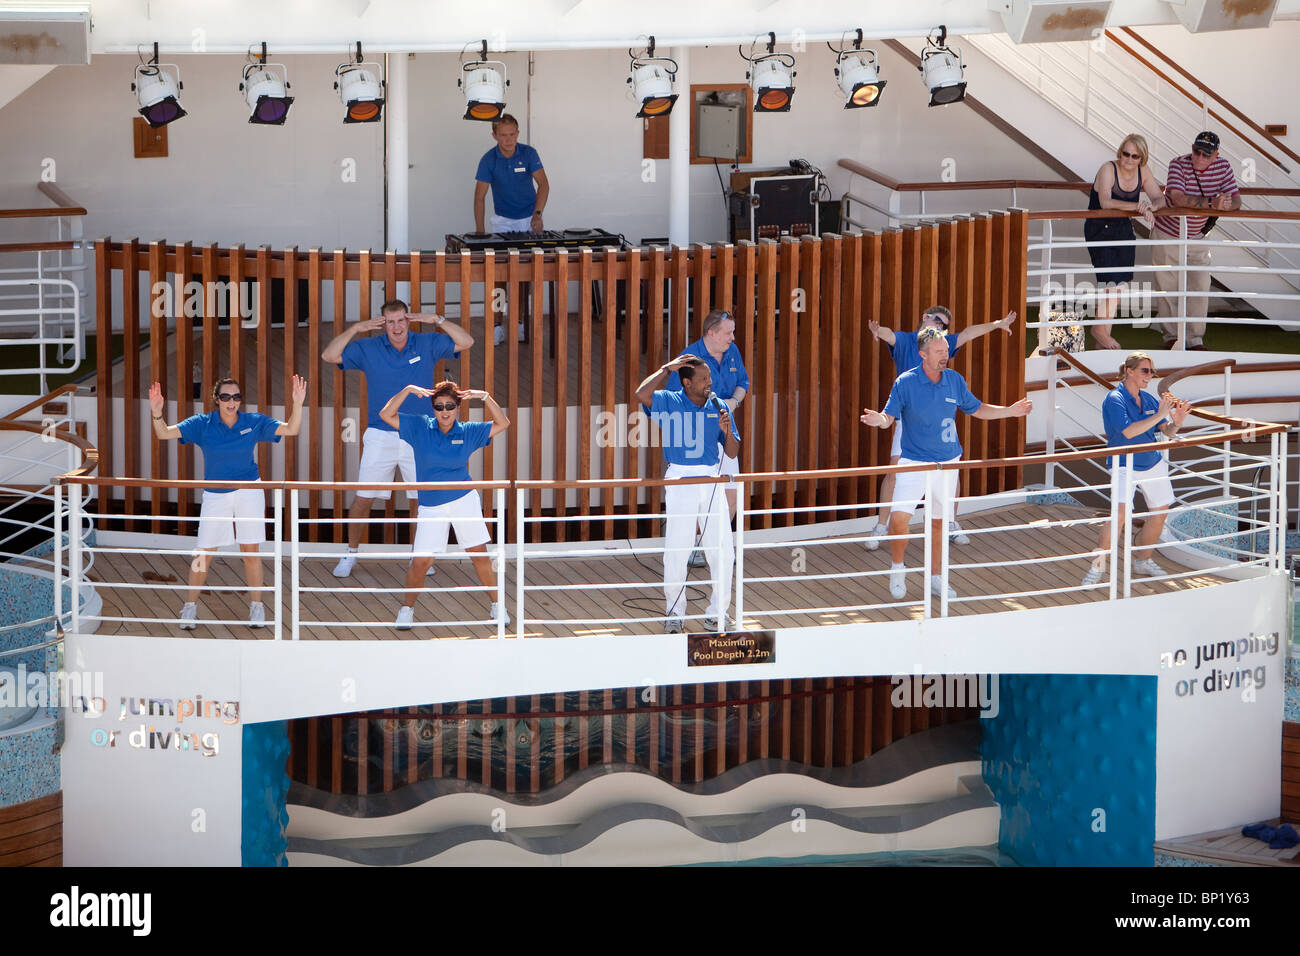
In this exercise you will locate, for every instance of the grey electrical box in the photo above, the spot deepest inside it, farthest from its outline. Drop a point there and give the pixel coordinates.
(719, 131)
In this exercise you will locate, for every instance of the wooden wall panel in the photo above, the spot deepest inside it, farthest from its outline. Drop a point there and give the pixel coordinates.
(801, 308)
(31, 833)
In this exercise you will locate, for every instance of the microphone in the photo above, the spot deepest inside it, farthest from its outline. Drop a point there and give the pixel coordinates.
(713, 397)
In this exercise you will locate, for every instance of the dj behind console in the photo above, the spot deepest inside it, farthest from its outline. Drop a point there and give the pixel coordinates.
(550, 239)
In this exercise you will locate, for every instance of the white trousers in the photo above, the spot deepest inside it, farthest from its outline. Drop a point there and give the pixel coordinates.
(688, 507)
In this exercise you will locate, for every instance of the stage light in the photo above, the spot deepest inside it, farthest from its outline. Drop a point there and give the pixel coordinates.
(265, 91)
(652, 82)
(484, 87)
(771, 76)
(858, 75)
(942, 69)
(361, 90)
(158, 92)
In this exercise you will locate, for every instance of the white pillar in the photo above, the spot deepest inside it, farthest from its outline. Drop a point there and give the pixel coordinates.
(398, 134)
(679, 152)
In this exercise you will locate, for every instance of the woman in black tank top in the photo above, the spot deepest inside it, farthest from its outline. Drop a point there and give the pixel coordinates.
(1125, 184)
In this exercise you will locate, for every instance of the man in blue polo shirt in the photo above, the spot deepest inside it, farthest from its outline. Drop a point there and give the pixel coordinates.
(926, 400)
(510, 169)
(716, 346)
(903, 350)
(695, 429)
(514, 173)
(390, 363)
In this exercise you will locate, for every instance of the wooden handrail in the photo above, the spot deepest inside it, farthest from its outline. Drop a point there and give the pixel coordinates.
(1040, 384)
(1236, 112)
(48, 397)
(60, 198)
(1078, 366)
(65, 246)
(1206, 368)
(1175, 212)
(122, 482)
(89, 453)
(973, 185)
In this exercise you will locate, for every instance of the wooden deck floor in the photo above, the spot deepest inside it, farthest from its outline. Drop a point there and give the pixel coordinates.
(346, 600)
(1231, 848)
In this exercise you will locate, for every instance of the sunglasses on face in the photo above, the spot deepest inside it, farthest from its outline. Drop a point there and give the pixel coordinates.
(1203, 152)
(231, 397)
(938, 321)
(1145, 371)
(1128, 155)
(443, 407)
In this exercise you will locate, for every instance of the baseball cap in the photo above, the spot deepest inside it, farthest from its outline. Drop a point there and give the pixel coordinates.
(1207, 141)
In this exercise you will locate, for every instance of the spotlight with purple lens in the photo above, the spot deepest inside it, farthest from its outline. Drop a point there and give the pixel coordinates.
(162, 113)
(271, 110)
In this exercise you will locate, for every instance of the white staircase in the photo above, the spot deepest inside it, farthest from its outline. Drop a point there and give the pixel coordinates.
(1107, 93)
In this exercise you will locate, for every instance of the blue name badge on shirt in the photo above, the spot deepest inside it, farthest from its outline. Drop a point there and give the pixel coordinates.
(414, 360)
(245, 431)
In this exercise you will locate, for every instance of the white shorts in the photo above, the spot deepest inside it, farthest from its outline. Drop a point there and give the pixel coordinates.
(465, 514)
(230, 516)
(1154, 483)
(909, 488)
(896, 446)
(502, 224)
(383, 452)
(730, 466)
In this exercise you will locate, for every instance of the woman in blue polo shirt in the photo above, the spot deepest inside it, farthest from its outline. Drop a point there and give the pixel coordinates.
(443, 445)
(1131, 417)
(227, 437)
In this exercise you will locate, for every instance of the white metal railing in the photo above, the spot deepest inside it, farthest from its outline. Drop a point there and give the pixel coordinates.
(609, 586)
(1060, 280)
(52, 323)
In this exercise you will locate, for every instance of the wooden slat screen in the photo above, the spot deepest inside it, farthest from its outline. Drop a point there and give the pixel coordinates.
(682, 733)
(801, 308)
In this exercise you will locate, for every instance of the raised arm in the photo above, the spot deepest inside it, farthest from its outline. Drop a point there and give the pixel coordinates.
(1177, 415)
(333, 352)
(389, 412)
(156, 405)
(975, 331)
(290, 428)
(459, 337)
(645, 392)
(879, 331)
(1019, 410)
(500, 421)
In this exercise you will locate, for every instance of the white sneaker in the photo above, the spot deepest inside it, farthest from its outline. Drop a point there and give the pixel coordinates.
(697, 560)
(496, 611)
(188, 615)
(1148, 568)
(936, 587)
(898, 582)
(344, 568)
(257, 614)
(674, 626)
(958, 536)
(405, 618)
(498, 335)
(712, 624)
(1094, 575)
(873, 542)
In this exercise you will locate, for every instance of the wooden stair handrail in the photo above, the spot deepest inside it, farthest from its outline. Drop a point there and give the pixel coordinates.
(67, 245)
(64, 205)
(89, 453)
(48, 397)
(1206, 368)
(1176, 212)
(1236, 112)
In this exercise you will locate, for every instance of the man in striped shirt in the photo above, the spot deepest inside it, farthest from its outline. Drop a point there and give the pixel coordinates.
(1198, 180)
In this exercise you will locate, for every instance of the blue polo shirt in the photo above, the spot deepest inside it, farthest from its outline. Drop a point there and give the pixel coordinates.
(907, 355)
(1118, 411)
(442, 457)
(928, 411)
(689, 434)
(514, 196)
(388, 371)
(228, 451)
(728, 375)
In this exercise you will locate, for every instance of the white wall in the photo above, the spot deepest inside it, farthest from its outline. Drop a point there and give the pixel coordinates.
(1216, 754)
